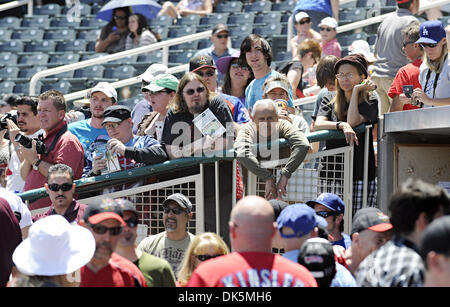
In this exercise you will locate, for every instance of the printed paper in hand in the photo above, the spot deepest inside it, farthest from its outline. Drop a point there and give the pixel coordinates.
(208, 124)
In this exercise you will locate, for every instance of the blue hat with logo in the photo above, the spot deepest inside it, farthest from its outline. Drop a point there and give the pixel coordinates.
(329, 200)
(301, 219)
(431, 32)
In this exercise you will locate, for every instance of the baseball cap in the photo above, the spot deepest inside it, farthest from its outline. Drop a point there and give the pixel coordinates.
(300, 15)
(276, 84)
(180, 199)
(224, 62)
(107, 209)
(152, 71)
(219, 28)
(317, 255)
(278, 205)
(436, 237)
(300, 218)
(329, 22)
(54, 247)
(116, 114)
(357, 59)
(370, 218)
(329, 200)
(362, 46)
(431, 32)
(161, 82)
(126, 205)
(106, 88)
(201, 61)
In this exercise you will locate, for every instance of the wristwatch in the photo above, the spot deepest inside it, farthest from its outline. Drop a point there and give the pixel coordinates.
(36, 165)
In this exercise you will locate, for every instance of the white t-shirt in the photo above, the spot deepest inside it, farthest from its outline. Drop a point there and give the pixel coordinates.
(17, 205)
(443, 82)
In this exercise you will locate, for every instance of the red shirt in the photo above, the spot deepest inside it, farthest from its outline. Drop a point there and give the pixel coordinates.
(68, 150)
(120, 272)
(251, 269)
(74, 212)
(406, 75)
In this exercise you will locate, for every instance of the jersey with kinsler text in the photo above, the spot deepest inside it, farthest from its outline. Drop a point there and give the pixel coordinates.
(251, 269)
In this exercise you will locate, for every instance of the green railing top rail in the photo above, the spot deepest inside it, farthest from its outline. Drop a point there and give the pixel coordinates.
(112, 179)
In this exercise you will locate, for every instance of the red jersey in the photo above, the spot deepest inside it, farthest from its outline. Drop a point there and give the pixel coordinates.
(251, 269)
(406, 75)
(120, 272)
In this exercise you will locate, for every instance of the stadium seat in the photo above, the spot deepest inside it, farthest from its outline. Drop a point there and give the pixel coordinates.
(241, 18)
(28, 72)
(9, 72)
(242, 30)
(120, 72)
(64, 59)
(95, 71)
(190, 20)
(236, 41)
(204, 43)
(7, 87)
(5, 34)
(52, 9)
(37, 58)
(36, 21)
(123, 61)
(85, 9)
(185, 46)
(12, 46)
(152, 57)
(74, 46)
(60, 34)
(63, 23)
(89, 35)
(63, 86)
(29, 35)
(214, 19)
(23, 88)
(10, 22)
(268, 30)
(268, 18)
(93, 22)
(176, 31)
(182, 57)
(163, 31)
(229, 7)
(43, 46)
(92, 55)
(163, 20)
(352, 15)
(284, 6)
(8, 58)
(259, 6)
(347, 40)
(369, 3)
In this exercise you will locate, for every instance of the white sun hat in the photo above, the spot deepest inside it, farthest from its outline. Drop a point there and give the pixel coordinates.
(362, 46)
(54, 247)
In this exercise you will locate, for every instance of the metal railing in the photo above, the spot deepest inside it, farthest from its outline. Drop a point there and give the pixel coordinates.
(14, 4)
(164, 45)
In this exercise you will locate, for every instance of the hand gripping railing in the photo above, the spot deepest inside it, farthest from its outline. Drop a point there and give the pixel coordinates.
(160, 45)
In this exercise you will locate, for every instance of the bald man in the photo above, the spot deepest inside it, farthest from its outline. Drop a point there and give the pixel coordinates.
(267, 127)
(251, 264)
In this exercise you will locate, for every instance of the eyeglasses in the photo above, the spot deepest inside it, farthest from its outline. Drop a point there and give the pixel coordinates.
(220, 36)
(326, 29)
(326, 214)
(206, 257)
(191, 91)
(237, 65)
(175, 210)
(154, 93)
(132, 222)
(110, 126)
(101, 230)
(64, 187)
(302, 22)
(342, 76)
(407, 43)
(120, 17)
(428, 45)
(208, 73)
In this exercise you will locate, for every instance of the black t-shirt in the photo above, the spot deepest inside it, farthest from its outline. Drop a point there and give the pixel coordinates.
(186, 132)
(332, 167)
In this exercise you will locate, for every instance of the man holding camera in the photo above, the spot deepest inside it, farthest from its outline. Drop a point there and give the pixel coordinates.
(58, 145)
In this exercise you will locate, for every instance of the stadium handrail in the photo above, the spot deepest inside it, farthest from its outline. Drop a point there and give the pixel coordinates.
(119, 55)
(424, 5)
(102, 181)
(14, 4)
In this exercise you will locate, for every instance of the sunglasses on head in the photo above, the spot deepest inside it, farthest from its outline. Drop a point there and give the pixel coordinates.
(209, 73)
(206, 257)
(101, 230)
(326, 29)
(220, 36)
(302, 22)
(132, 222)
(428, 45)
(175, 210)
(191, 91)
(64, 187)
(326, 214)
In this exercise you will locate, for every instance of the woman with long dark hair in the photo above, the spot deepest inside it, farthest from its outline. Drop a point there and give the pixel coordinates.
(352, 105)
(140, 33)
(113, 36)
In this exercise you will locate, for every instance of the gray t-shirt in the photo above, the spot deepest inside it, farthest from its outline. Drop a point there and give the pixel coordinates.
(442, 83)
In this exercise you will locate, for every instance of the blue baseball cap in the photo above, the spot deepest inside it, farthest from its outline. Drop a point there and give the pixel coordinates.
(431, 32)
(301, 219)
(329, 200)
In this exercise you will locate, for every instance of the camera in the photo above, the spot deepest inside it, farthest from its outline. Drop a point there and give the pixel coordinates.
(3, 123)
(27, 143)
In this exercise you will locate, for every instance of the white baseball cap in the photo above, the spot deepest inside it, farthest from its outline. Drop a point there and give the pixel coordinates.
(362, 46)
(152, 71)
(329, 22)
(54, 247)
(106, 88)
(300, 15)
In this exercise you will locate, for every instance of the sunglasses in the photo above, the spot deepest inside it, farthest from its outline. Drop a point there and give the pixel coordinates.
(209, 73)
(64, 187)
(220, 36)
(191, 91)
(428, 45)
(132, 222)
(175, 211)
(326, 29)
(101, 230)
(326, 214)
(206, 257)
(237, 65)
(154, 93)
(302, 22)
(110, 126)
(120, 17)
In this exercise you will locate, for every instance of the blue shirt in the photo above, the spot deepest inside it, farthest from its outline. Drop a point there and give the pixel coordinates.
(240, 112)
(254, 91)
(314, 5)
(345, 242)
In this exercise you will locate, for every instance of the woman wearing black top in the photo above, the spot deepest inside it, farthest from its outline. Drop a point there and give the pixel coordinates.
(352, 105)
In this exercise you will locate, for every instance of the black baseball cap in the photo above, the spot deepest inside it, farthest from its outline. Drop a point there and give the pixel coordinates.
(201, 61)
(317, 256)
(116, 114)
